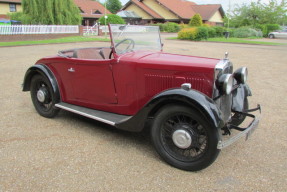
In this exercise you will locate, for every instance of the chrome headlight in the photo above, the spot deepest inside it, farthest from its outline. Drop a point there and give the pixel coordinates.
(225, 84)
(241, 75)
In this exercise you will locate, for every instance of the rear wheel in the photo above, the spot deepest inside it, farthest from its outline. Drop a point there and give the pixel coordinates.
(184, 139)
(43, 96)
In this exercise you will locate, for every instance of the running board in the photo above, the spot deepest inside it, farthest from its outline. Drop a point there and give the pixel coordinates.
(105, 117)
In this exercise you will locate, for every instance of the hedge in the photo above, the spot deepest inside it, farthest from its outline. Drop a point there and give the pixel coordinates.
(169, 27)
(112, 19)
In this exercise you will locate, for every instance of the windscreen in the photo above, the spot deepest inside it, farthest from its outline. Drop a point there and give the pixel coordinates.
(128, 38)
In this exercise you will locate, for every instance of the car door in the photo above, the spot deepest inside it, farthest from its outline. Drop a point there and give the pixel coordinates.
(92, 82)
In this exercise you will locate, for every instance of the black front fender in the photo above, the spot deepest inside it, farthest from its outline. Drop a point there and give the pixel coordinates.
(42, 70)
(191, 98)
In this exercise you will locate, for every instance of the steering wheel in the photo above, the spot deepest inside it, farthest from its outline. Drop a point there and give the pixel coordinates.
(130, 46)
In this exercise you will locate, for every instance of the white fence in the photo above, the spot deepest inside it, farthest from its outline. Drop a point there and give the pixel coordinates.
(38, 29)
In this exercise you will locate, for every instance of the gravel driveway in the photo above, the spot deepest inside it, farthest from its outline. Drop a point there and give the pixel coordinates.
(72, 153)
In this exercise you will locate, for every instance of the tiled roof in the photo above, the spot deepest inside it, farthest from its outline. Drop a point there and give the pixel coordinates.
(207, 11)
(89, 8)
(145, 8)
(181, 8)
(10, 1)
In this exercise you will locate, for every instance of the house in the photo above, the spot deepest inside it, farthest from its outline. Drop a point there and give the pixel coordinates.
(90, 10)
(179, 11)
(9, 6)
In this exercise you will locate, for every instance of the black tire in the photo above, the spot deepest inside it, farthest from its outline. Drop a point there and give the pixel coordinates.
(47, 107)
(201, 150)
(271, 36)
(237, 119)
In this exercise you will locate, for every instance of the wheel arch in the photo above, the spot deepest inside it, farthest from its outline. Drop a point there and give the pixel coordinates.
(191, 98)
(44, 71)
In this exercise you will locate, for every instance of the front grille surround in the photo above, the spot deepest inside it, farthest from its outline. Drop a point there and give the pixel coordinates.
(224, 102)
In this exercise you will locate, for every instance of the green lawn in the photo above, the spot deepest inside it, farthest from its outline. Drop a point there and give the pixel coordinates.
(237, 40)
(49, 41)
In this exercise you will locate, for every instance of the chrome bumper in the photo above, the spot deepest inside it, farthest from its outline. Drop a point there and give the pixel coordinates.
(247, 132)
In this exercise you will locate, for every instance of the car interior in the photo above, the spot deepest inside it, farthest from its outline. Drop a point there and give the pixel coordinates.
(101, 53)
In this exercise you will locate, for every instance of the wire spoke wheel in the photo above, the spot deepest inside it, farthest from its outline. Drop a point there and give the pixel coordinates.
(193, 136)
(184, 139)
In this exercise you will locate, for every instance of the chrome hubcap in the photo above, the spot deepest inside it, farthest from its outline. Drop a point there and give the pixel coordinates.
(182, 139)
(41, 96)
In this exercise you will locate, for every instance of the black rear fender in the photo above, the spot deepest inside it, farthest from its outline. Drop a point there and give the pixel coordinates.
(44, 71)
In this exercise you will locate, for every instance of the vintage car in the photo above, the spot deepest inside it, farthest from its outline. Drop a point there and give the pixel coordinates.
(189, 104)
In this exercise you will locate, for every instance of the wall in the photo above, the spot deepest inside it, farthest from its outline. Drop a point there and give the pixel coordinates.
(4, 8)
(138, 11)
(217, 18)
(162, 11)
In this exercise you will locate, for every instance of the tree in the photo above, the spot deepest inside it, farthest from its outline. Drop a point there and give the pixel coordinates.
(196, 20)
(112, 19)
(49, 12)
(113, 5)
(259, 13)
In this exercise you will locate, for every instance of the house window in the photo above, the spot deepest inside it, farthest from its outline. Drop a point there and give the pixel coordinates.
(12, 7)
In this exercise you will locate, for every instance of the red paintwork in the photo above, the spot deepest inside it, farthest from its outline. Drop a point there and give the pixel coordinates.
(125, 84)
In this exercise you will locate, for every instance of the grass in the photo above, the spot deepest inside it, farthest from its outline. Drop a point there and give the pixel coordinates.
(237, 40)
(50, 41)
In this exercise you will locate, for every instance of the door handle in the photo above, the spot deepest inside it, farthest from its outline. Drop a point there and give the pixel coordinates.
(71, 70)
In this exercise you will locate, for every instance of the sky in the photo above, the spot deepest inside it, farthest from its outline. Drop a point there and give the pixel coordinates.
(224, 3)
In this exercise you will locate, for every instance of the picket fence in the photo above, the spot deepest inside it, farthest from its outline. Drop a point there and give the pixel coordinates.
(38, 29)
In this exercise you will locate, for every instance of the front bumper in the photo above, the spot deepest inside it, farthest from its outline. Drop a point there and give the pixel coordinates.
(244, 131)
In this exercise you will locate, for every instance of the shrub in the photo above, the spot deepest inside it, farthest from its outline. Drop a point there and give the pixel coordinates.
(196, 20)
(161, 28)
(112, 19)
(183, 26)
(244, 32)
(231, 32)
(267, 28)
(211, 32)
(171, 27)
(262, 28)
(202, 33)
(272, 27)
(219, 31)
(187, 33)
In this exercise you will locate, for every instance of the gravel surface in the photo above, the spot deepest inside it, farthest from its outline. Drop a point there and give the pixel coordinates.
(73, 153)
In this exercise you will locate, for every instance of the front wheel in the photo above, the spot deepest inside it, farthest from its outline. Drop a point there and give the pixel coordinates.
(271, 36)
(184, 139)
(43, 97)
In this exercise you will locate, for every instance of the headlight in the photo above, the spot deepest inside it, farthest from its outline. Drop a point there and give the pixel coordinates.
(241, 75)
(225, 84)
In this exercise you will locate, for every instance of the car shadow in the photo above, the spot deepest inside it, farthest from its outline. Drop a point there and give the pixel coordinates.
(141, 140)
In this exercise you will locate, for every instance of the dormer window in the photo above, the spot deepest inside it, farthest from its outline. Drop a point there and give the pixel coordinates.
(97, 12)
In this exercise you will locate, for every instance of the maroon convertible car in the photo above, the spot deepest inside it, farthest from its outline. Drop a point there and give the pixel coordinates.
(190, 104)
